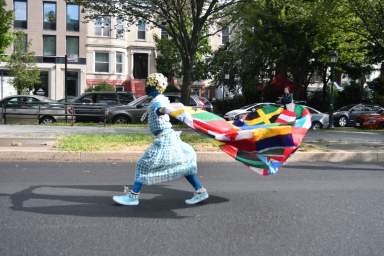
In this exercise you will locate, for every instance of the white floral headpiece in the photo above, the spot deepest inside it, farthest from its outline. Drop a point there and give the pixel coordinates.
(158, 81)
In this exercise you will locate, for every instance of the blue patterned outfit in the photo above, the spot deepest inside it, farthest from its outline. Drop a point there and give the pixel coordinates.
(168, 158)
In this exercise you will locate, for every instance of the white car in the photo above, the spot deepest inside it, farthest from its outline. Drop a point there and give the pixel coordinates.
(233, 114)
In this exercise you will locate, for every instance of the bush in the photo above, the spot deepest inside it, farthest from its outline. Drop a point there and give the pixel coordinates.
(105, 87)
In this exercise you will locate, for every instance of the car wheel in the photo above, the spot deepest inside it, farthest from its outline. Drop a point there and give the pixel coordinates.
(381, 126)
(316, 126)
(343, 121)
(47, 120)
(121, 120)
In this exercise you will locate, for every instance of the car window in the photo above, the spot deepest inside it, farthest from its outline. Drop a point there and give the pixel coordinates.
(107, 98)
(30, 100)
(125, 98)
(90, 98)
(12, 102)
(312, 111)
(358, 108)
(146, 101)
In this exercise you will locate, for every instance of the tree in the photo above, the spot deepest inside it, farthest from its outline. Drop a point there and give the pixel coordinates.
(21, 65)
(184, 20)
(291, 38)
(5, 24)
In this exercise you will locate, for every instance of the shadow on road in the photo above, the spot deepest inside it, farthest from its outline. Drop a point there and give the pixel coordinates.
(162, 205)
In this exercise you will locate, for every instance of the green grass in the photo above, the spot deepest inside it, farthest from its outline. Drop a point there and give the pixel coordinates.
(139, 125)
(139, 142)
(123, 142)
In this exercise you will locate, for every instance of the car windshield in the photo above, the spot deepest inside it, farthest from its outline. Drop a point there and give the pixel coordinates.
(248, 106)
(345, 108)
(138, 100)
(44, 99)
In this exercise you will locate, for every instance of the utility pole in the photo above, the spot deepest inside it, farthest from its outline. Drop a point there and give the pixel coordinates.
(65, 85)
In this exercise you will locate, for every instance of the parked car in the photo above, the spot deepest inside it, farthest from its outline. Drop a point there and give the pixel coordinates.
(346, 115)
(194, 101)
(69, 99)
(319, 120)
(233, 114)
(91, 106)
(133, 112)
(21, 108)
(371, 121)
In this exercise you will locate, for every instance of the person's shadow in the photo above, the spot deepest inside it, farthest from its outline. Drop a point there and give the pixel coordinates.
(162, 205)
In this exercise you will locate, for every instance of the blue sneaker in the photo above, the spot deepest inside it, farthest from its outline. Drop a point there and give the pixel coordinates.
(128, 199)
(197, 198)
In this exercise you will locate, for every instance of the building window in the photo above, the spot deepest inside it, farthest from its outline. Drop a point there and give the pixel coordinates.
(73, 17)
(49, 15)
(120, 28)
(102, 62)
(73, 45)
(49, 45)
(103, 26)
(141, 30)
(164, 34)
(225, 35)
(119, 62)
(20, 8)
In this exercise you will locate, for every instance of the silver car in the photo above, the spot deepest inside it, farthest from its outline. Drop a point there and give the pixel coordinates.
(233, 114)
(30, 109)
(133, 111)
(319, 119)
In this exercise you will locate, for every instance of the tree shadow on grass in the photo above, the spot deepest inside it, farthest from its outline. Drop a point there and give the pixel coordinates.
(163, 205)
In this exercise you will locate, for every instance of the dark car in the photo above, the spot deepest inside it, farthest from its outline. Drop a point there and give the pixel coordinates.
(133, 112)
(346, 116)
(91, 106)
(30, 108)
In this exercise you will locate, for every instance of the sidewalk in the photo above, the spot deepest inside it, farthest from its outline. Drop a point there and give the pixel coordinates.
(132, 156)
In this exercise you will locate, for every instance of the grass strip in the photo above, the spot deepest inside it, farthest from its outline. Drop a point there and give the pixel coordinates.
(124, 142)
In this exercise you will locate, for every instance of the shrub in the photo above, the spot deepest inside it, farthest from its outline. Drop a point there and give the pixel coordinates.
(102, 87)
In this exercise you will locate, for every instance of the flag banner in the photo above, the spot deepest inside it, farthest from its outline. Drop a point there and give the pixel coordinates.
(262, 140)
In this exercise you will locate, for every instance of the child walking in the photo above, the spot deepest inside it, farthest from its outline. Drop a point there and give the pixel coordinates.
(168, 158)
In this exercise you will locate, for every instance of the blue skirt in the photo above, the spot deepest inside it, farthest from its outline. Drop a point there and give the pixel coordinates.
(168, 158)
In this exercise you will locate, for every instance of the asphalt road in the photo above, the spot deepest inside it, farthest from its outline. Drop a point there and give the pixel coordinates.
(308, 209)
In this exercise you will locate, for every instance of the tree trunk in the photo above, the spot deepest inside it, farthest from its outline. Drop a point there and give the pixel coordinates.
(187, 80)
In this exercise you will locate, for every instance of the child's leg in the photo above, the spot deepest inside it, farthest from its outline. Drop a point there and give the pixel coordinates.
(132, 198)
(195, 181)
(200, 194)
(136, 188)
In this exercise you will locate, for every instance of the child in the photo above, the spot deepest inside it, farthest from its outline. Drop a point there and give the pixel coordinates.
(168, 158)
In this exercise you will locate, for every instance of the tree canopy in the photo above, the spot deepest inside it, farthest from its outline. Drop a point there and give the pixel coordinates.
(21, 65)
(184, 20)
(6, 18)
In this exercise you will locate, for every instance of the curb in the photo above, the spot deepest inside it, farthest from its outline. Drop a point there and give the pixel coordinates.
(133, 156)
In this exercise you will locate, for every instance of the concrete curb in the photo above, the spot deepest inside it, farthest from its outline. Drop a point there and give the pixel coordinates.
(133, 156)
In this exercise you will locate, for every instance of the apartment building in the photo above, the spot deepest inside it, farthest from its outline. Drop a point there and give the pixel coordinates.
(54, 29)
(118, 53)
(103, 50)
